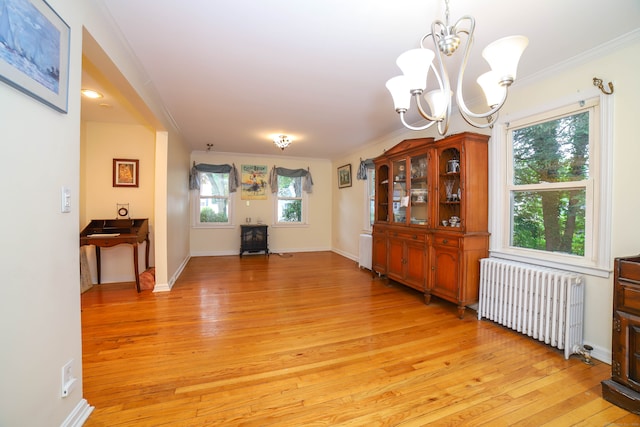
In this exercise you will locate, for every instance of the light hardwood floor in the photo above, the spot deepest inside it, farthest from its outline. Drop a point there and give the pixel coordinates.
(311, 339)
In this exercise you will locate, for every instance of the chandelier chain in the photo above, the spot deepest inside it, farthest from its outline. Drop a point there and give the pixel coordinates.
(446, 13)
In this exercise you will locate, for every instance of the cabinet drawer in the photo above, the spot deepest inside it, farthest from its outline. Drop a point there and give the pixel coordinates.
(628, 296)
(630, 269)
(415, 237)
(449, 241)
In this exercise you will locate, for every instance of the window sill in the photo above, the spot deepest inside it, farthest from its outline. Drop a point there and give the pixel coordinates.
(212, 226)
(292, 225)
(561, 264)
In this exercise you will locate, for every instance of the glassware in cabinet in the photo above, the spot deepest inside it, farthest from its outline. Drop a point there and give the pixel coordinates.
(450, 188)
(400, 198)
(419, 187)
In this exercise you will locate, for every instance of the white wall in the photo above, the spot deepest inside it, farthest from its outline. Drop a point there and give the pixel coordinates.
(316, 236)
(40, 326)
(176, 210)
(569, 78)
(39, 296)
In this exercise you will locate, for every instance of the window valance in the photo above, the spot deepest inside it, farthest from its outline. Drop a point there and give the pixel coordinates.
(362, 169)
(307, 182)
(194, 179)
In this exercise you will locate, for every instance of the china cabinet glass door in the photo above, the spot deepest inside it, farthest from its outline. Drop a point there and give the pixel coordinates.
(450, 188)
(399, 189)
(419, 190)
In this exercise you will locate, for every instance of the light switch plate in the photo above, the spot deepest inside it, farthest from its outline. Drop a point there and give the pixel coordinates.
(65, 195)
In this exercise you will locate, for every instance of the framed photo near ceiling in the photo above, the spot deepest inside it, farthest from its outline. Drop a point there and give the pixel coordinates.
(125, 172)
(344, 176)
(254, 182)
(34, 51)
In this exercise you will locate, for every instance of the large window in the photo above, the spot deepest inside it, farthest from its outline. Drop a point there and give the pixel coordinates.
(290, 200)
(554, 207)
(213, 205)
(550, 180)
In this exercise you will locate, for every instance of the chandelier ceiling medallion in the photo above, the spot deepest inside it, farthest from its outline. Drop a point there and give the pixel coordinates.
(282, 141)
(502, 55)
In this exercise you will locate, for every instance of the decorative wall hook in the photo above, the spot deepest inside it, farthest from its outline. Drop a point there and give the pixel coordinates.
(598, 82)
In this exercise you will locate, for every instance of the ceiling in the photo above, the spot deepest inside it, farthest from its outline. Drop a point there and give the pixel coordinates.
(232, 73)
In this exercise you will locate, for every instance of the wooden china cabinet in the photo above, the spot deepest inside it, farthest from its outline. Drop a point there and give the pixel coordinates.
(431, 216)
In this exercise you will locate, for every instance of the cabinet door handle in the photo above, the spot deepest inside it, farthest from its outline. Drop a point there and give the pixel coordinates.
(445, 241)
(415, 237)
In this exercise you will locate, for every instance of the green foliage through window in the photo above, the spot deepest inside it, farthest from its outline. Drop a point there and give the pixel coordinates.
(550, 168)
(214, 198)
(289, 199)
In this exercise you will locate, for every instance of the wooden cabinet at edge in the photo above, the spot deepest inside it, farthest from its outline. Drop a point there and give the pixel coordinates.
(421, 183)
(623, 388)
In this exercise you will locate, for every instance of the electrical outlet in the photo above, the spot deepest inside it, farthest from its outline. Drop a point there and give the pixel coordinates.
(68, 380)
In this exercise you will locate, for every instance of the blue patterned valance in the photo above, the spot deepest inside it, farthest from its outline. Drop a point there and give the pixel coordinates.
(362, 169)
(194, 179)
(307, 181)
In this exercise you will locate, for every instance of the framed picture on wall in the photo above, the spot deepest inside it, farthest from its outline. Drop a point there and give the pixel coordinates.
(34, 51)
(344, 176)
(254, 182)
(125, 172)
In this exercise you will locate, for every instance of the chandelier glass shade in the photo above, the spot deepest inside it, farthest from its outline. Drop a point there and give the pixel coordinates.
(282, 141)
(502, 55)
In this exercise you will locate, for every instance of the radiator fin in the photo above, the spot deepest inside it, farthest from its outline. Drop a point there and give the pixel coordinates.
(543, 303)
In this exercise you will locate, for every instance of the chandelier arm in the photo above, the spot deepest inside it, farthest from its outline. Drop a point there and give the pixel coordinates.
(410, 127)
(443, 78)
(422, 111)
(462, 106)
(467, 112)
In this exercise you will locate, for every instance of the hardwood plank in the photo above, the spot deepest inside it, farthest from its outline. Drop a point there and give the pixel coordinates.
(311, 339)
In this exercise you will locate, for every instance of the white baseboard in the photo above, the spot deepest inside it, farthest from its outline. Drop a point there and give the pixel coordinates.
(79, 415)
(271, 251)
(602, 354)
(165, 287)
(346, 255)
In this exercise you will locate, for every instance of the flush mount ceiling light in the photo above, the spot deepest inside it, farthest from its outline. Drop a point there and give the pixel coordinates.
(502, 55)
(89, 93)
(282, 141)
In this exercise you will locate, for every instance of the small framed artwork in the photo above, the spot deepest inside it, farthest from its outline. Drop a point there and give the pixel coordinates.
(344, 176)
(125, 172)
(34, 51)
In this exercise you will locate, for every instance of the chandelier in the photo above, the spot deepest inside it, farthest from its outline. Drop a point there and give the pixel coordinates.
(282, 141)
(502, 55)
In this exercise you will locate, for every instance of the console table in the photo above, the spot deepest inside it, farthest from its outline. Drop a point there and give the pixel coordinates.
(253, 238)
(111, 232)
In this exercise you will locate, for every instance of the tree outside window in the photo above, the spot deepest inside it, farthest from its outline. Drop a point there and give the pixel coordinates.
(214, 198)
(550, 174)
(289, 199)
